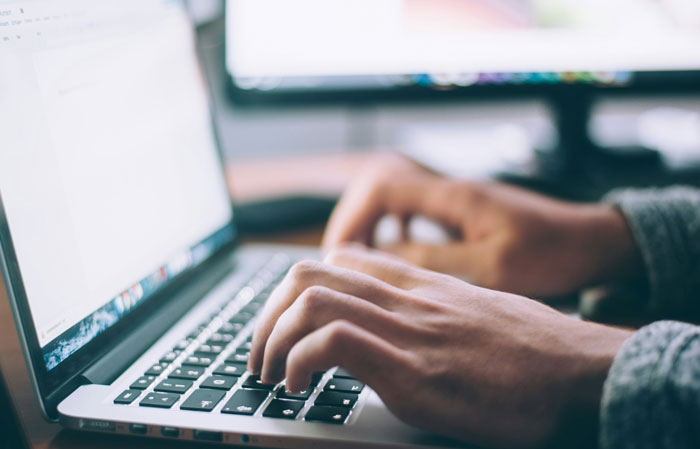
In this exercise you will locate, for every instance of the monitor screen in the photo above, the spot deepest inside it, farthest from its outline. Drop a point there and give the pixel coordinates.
(310, 44)
(109, 172)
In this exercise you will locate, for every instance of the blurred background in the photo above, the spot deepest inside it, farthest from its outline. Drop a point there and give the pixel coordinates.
(569, 98)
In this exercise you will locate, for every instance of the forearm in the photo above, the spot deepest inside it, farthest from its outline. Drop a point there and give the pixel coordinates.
(652, 393)
(608, 240)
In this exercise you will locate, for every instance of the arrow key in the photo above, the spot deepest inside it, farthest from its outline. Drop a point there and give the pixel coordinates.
(334, 415)
(160, 400)
(280, 408)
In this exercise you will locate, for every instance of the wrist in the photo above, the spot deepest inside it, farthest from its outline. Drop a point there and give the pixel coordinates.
(594, 349)
(605, 239)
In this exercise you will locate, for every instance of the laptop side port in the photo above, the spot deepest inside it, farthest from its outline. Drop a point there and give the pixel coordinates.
(170, 432)
(206, 435)
(138, 429)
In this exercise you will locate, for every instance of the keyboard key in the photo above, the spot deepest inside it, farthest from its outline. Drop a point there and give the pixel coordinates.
(241, 318)
(187, 372)
(241, 355)
(161, 400)
(127, 397)
(208, 350)
(182, 344)
(336, 399)
(219, 382)
(245, 402)
(279, 408)
(241, 358)
(253, 381)
(316, 378)
(156, 370)
(194, 360)
(344, 385)
(301, 396)
(174, 386)
(242, 350)
(169, 357)
(320, 413)
(142, 382)
(230, 328)
(230, 369)
(203, 400)
(250, 309)
(195, 333)
(341, 373)
(219, 339)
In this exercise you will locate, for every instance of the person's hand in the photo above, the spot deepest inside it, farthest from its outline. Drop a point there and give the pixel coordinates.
(507, 238)
(485, 367)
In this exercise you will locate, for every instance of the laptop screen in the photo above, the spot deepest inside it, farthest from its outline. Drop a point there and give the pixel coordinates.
(109, 173)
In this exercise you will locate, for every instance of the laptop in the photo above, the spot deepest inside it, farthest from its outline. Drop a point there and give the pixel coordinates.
(133, 300)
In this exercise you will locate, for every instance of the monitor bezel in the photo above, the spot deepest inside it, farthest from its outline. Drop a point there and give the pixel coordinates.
(52, 386)
(642, 83)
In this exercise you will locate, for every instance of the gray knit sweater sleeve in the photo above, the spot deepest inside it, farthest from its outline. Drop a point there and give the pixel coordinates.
(666, 227)
(651, 398)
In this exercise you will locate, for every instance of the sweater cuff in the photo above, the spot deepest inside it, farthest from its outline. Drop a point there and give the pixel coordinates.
(664, 224)
(651, 393)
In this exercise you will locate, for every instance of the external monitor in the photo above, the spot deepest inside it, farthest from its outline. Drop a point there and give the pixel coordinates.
(379, 50)
(342, 45)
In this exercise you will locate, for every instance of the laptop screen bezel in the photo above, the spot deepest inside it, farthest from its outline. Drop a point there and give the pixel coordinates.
(52, 386)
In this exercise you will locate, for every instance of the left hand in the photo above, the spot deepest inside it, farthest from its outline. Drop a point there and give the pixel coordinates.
(490, 368)
(506, 238)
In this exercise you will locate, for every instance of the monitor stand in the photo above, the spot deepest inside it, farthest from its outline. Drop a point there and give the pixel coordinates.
(580, 169)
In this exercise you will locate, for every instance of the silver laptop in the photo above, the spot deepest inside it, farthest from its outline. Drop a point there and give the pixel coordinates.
(133, 302)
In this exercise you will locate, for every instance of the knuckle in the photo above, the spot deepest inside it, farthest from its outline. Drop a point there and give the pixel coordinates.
(304, 270)
(336, 255)
(286, 319)
(338, 334)
(375, 183)
(312, 299)
(344, 252)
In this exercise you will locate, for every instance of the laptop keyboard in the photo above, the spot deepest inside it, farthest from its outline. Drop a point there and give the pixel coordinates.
(208, 368)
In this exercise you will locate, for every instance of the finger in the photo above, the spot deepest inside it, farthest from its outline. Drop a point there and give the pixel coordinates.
(366, 356)
(355, 216)
(386, 267)
(315, 308)
(451, 258)
(304, 275)
(358, 211)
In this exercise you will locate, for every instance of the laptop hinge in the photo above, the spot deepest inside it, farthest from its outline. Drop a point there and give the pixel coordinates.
(111, 365)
